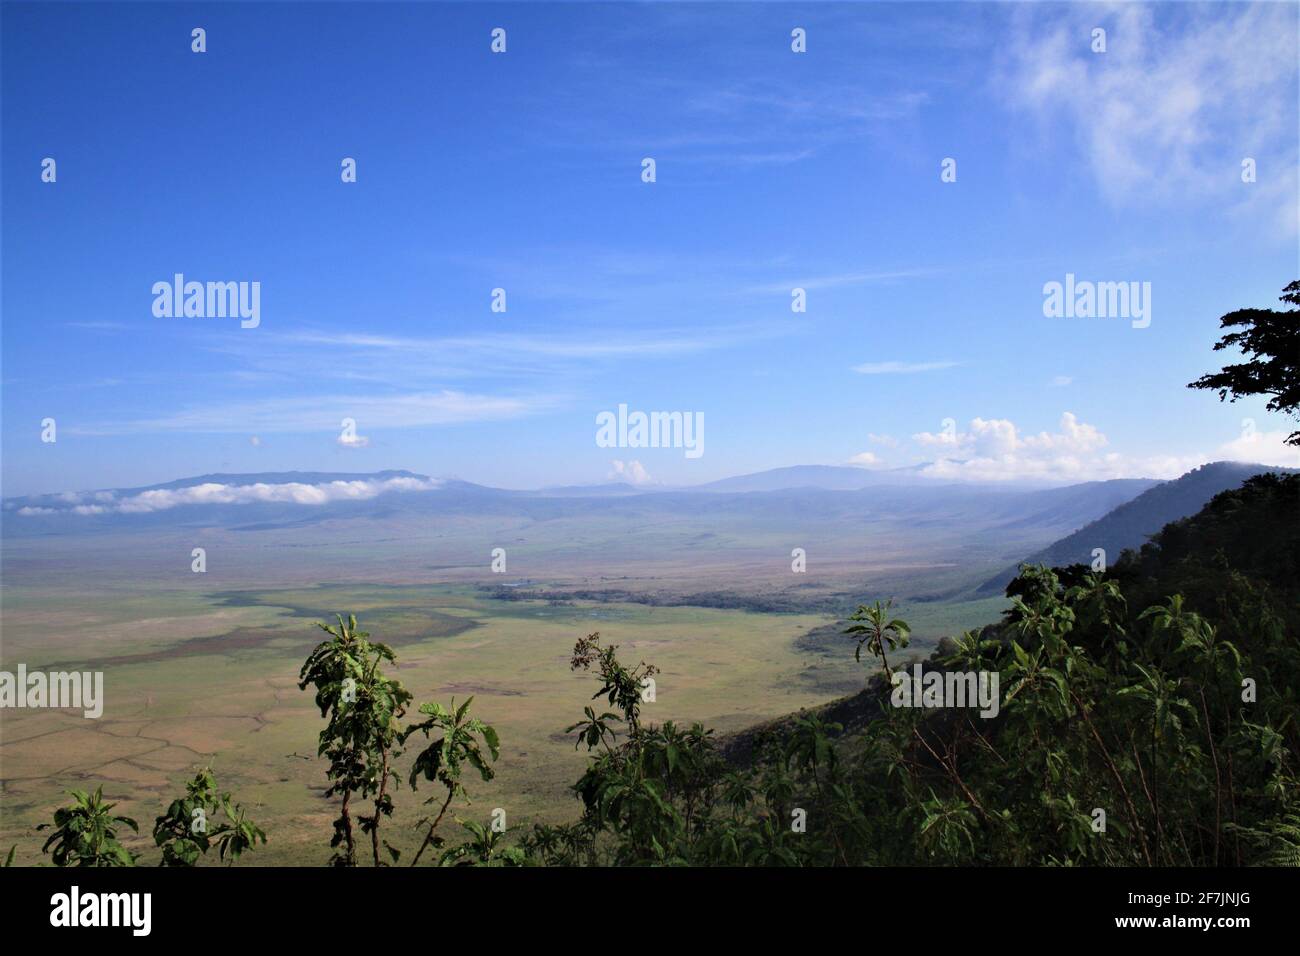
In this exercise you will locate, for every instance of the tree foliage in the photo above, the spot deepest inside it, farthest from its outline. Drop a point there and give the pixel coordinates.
(1271, 341)
(362, 707)
(186, 832)
(363, 739)
(85, 832)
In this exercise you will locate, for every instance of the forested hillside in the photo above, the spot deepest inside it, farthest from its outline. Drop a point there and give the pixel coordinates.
(1133, 522)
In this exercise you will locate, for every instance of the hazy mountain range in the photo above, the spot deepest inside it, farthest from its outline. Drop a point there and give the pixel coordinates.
(847, 517)
(264, 498)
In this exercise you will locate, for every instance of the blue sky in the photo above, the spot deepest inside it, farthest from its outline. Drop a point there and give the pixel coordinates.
(522, 171)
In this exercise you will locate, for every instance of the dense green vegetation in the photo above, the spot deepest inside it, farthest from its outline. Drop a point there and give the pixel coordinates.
(1163, 692)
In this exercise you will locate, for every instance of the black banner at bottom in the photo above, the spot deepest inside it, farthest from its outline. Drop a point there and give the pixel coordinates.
(147, 906)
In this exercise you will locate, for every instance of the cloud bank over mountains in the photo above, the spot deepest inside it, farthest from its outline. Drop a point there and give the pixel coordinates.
(219, 493)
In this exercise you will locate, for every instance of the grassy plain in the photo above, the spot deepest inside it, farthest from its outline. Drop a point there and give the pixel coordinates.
(202, 668)
(197, 677)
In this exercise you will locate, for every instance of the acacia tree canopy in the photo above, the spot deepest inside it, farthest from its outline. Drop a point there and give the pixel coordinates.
(1271, 340)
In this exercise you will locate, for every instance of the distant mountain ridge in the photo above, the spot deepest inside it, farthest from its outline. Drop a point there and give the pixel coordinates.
(1130, 524)
(998, 520)
(824, 477)
(923, 538)
(794, 477)
(851, 517)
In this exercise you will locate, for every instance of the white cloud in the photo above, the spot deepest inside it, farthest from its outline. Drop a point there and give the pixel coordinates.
(896, 368)
(353, 441)
(889, 441)
(633, 472)
(866, 459)
(1060, 381)
(217, 493)
(1264, 448)
(995, 450)
(1175, 103)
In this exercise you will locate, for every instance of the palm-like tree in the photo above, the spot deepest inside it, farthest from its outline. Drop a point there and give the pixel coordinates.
(875, 629)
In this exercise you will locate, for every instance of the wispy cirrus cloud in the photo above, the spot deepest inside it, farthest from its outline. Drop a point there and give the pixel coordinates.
(537, 362)
(100, 325)
(579, 347)
(325, 412)
(852, 104)
(747, 122)
(1172, 106)
(839, 279)
(901, 368)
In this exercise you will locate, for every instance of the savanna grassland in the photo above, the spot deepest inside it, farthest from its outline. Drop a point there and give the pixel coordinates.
(203, 668)
(196, 678)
